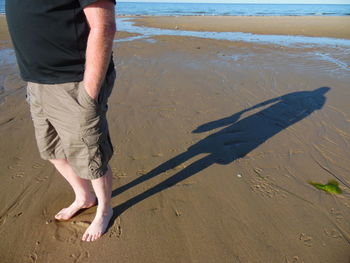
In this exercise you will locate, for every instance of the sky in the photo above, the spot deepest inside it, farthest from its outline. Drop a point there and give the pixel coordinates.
(249, 1)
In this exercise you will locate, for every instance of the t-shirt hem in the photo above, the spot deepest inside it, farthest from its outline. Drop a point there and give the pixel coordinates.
(110, 69)
(52, 81)
(84, 3)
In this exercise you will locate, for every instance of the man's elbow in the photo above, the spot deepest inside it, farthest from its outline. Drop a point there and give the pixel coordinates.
(107, 30)
(111, 30)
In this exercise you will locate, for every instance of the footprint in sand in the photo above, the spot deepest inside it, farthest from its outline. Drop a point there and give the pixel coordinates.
(265, 187)
(80, 256)
(17, 167)
(337, 214)
(18, 214)
(116, 229)
(294, 259)
(347, 205)
(13, 167)
(332, 233)
(307, 240)
(118, 174)
(32, 257)
(38, 165)
(18, 175)
(3, 220)
(67, 233)
(41, 179)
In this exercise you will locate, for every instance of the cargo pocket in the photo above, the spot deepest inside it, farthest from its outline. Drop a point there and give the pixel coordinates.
(100, 152)
(95, 155)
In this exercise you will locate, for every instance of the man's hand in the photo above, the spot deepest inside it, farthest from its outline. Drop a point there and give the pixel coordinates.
(101, 18)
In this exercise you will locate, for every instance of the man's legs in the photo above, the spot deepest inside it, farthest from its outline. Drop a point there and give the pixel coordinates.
(84, 198)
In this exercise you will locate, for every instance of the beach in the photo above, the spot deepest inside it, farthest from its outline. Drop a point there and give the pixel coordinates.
(216, 143)
(315, 26)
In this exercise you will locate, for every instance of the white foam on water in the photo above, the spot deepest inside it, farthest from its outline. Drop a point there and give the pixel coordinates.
(126, 24)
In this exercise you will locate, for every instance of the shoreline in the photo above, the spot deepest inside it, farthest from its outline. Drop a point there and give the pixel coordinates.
(314, 26)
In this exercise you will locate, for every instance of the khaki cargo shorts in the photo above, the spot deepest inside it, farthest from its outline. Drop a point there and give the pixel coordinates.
(71, 125)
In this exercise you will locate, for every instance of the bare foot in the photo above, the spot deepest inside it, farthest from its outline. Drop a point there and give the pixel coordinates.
(69, 212)
(98, 226)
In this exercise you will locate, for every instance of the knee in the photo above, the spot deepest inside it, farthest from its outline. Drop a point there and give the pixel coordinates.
(58, 162)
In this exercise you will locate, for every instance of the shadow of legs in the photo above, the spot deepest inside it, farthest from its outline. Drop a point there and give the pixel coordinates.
(190, 170)
(170, 164)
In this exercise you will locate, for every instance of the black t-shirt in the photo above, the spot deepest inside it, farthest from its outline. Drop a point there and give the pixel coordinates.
(50, 39)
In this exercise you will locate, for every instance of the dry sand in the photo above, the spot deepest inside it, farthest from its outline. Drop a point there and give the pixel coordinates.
(338, 27)
(216, 142)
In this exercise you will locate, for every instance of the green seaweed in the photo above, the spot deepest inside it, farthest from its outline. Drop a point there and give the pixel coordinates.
(332, 187)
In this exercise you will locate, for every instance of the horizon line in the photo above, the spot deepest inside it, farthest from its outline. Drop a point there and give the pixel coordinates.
(253, 3)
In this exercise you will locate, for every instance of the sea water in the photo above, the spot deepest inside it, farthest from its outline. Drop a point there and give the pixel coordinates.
(180, 9)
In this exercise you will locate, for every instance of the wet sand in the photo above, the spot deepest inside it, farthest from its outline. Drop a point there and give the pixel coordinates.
(337, 27)
(215, 144)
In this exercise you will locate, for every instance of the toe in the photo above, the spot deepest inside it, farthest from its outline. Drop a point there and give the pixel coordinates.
(89, 238)
(60, 214)
(85, 236)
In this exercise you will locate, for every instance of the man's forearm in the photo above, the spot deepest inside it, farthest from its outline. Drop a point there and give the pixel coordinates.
(98, 55)
(99, 47)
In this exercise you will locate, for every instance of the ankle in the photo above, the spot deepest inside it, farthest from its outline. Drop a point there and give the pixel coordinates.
(84, 200)
(104, 210)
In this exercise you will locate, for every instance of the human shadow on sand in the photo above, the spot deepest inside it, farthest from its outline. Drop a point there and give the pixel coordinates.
(237, 139)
